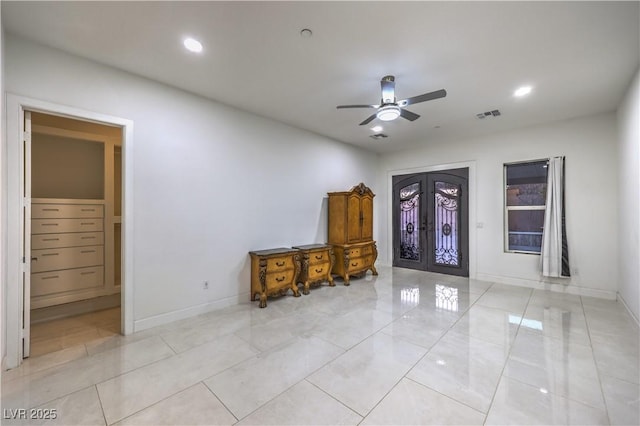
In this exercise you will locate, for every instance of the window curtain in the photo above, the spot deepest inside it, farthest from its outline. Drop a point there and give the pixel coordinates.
(555, 253)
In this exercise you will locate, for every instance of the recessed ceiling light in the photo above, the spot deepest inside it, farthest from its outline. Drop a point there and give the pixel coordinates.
(522, 91)
(192, 45)
(377, 128)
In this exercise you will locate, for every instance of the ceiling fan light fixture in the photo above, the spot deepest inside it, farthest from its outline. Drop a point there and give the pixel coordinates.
(388, 112)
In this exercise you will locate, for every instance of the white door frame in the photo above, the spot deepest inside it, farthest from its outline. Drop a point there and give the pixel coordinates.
(16, 106)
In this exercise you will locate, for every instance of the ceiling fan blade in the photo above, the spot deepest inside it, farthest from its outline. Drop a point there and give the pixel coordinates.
(423, 98)
(368, 120)
(411, 116)
(388, 85)
(357, 106)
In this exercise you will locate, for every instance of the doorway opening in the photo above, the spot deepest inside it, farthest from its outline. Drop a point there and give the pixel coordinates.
(19, 218)
(74, 215)
(431, 221)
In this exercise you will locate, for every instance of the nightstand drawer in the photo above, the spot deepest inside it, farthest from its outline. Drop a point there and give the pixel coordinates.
(279, 264)
(319, 258)
(318, 271)
(279, 279)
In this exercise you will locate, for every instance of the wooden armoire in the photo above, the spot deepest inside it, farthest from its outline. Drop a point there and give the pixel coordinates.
(351, 231)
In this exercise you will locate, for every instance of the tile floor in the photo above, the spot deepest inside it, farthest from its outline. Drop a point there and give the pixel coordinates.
(63, 333)
(405, 347)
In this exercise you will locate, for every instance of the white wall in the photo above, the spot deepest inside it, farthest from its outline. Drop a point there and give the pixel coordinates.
(629, 196)
(591, 198)
(210, 182)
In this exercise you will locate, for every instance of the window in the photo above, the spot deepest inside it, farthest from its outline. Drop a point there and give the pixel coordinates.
(525, 197)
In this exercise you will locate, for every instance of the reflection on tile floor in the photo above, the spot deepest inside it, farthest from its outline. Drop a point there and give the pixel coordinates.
(55, 335)
(405, 347)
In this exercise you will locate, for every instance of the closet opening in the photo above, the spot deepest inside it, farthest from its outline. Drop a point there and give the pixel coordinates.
(73, 232)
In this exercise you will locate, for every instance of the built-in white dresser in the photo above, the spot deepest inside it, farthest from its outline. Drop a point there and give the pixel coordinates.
(67, 251)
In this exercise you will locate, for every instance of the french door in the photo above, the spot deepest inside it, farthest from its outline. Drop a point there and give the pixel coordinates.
(431, 221)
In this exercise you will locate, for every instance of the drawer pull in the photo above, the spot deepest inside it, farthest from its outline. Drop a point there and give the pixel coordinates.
(87, 223)
(51, 239)
(354, 264)
(50, 254)
(88, 210)
(52, 277)
(319, 257)
(88, 273)
(280, 263)
(50, 210)
(49, 224)
(87, 251)
(280, 279)
(319, 270)
(87, 238)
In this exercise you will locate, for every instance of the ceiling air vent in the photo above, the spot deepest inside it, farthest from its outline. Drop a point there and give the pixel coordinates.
(379, 136)
(483, 115)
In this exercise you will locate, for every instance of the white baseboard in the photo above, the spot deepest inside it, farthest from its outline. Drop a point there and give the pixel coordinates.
(621, 299)
(168, 317)
(555, 287)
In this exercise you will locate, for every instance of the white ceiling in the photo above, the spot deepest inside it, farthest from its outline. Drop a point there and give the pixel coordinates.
(579, 57)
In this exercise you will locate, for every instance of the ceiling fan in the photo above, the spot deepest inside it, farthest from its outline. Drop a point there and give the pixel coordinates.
(390, 109)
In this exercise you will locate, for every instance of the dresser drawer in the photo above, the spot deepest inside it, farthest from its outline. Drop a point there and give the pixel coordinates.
(279, 263)
(49, 211)
(356, 264)
(47, 241)
(55, 226)
(46, 283)
(361, 251)
(66, 258)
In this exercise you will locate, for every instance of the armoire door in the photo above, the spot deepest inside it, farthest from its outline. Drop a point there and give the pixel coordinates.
(354, 219)
(366, 211)
(431, 222)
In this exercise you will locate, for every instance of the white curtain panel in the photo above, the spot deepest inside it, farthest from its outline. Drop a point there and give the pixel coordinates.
(554, 246)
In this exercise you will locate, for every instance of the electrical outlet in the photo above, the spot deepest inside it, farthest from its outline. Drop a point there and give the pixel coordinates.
(205, 285)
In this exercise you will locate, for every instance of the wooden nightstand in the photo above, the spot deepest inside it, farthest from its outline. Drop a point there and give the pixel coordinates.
(317, 262)
(274, 272)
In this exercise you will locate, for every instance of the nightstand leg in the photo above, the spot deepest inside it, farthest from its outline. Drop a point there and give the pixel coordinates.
(306, 287)
(346, 280)
(331, 283)
(296, 293)
(263, 300)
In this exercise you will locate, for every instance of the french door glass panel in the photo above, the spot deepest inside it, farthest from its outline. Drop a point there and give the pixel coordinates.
(410, 222)
(446, 244)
